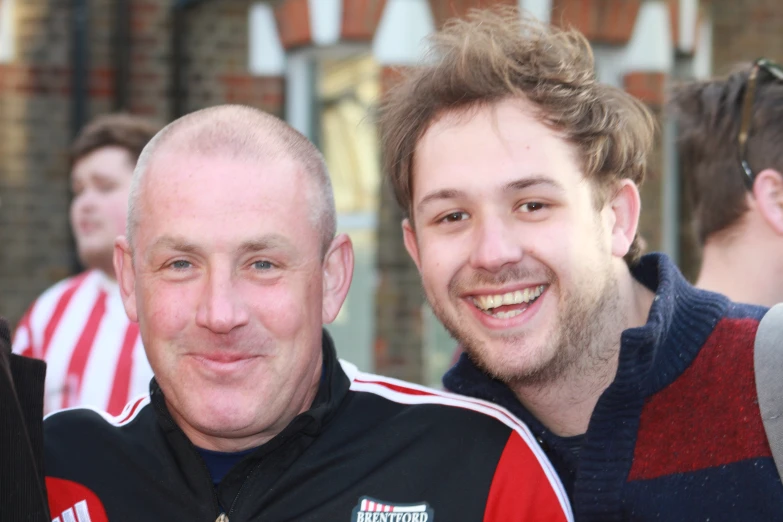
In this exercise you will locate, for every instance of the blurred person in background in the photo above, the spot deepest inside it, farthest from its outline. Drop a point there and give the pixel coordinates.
(731, 148)
(78, 326)
(518, 172)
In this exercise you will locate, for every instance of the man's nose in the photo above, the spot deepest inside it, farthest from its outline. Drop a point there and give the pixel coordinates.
(84, 200)
(496, 244)
(221, 308)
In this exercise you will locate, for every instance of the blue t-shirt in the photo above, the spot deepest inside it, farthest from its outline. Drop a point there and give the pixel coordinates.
(220, 463)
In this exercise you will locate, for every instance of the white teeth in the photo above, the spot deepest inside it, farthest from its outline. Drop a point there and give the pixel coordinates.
(487, 302)
(507, 315)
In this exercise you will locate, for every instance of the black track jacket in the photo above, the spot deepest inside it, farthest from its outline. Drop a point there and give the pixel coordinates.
(370, 449)
(22, 494)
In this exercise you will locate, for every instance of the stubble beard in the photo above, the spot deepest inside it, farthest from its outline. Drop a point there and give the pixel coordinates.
(584, 338)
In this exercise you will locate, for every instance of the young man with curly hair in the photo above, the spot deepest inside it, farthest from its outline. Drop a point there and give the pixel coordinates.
(519, 173)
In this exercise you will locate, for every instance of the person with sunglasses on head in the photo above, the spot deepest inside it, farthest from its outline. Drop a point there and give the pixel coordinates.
(730, 134)
(519, 174)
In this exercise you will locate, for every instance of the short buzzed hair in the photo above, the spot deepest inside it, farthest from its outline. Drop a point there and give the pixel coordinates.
(242, 131)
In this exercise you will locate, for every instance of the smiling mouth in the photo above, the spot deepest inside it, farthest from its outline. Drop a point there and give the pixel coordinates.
(510, 304)
(88, 228)
(223, 358)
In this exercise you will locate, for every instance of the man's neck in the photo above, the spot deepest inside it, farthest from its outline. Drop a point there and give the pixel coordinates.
(566, 405)
(744, 270)
(107, 271)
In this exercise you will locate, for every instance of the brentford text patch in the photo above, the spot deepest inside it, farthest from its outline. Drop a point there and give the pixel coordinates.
(371, 510)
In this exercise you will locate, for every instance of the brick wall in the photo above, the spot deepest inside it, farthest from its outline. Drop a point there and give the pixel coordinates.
(34, 134)
(399, 299)
(216, 42)
(650, 87)
(150, 46)
(744, 31)
(35, 113)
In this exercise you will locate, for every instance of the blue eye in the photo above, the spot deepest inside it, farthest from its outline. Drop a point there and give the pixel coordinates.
(180, 264)
(262, 265)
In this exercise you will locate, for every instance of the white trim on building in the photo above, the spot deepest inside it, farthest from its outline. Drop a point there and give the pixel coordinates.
(7, 26)
(402, 32)
(266, 56)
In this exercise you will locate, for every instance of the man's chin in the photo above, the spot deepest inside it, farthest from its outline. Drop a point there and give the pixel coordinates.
(512, 360)
(221, 419)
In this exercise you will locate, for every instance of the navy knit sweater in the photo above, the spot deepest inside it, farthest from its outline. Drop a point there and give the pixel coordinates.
(678, 435)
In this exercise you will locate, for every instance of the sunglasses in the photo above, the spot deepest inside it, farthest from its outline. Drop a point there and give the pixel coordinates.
(774, 70)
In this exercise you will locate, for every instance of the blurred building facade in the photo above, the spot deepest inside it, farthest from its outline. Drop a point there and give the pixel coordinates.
(321, 65)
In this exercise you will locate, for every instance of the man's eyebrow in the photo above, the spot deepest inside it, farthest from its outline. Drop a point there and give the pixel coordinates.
(519, 184)
(438, 194)
(174, 243)
(524, 183)
(267, 242)
(259, 244)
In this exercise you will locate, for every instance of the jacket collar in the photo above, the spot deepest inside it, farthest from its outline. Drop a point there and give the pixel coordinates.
(299, 434)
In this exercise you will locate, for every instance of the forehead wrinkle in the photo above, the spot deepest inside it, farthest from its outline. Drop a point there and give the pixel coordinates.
(260, 244)
(265, 243)
(177, 243)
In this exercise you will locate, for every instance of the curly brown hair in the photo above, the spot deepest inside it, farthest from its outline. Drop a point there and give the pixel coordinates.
(130, 132)
(500, 53)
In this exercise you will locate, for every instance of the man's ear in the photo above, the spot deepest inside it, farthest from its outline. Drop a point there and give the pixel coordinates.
(126, 276)
(409, 238)
(338, 271)
(625, 207)
(768, 194)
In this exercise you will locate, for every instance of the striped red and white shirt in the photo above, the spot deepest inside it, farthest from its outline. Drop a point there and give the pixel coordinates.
(93, 352)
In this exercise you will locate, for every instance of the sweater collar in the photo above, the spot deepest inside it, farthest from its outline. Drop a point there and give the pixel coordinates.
(651, 356)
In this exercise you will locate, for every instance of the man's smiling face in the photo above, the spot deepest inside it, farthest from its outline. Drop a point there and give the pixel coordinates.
(515, 258)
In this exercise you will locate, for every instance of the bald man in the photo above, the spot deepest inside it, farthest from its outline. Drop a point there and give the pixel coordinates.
(231, 266)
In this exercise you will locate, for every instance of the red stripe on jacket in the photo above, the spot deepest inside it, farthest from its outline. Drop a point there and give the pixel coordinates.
(65, 497)
(518, 493)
